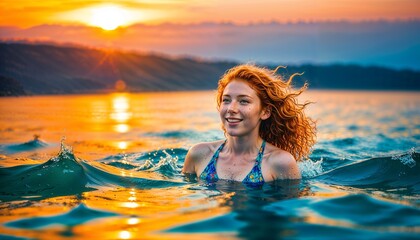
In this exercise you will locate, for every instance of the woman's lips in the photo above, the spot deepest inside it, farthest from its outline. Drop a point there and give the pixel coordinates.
(233, 120)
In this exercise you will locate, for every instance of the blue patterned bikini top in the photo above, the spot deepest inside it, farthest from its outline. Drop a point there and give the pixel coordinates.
(254, 176)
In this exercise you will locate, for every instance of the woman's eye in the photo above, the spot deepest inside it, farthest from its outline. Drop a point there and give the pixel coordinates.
(244, 101)
(225, 100)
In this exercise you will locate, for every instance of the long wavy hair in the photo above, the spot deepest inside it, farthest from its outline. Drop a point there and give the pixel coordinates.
(288, 127)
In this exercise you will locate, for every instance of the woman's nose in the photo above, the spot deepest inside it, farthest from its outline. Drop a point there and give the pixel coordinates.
(232, 108)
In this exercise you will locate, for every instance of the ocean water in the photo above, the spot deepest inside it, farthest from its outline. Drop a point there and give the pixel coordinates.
(108, 167)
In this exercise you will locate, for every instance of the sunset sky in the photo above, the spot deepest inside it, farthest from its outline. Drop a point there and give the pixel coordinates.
(27, 13)
(366, 32)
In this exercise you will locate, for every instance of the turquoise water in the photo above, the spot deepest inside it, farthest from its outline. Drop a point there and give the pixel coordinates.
(108, 166)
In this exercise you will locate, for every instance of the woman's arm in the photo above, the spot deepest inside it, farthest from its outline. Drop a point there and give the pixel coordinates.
(189, 162)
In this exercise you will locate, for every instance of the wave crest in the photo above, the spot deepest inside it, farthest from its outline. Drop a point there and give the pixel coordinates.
(382, 173)
(65, 174)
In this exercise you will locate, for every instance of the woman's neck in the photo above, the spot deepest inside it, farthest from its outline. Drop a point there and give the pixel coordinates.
(243, 145)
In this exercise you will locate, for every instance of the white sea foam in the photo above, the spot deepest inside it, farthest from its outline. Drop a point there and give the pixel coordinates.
(166, 164)
(145, 166)
(406, 159)
(168, 161)
(310, 168)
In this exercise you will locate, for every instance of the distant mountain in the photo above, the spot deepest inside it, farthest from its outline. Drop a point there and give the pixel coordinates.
(10, 87)
(48, 69)
(354, 77)
(392, 44)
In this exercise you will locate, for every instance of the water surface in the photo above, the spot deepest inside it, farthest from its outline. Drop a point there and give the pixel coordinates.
(108, 167)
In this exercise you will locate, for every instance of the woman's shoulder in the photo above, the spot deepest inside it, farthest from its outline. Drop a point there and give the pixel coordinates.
(282, 163)
(197, 156)
(201, 150)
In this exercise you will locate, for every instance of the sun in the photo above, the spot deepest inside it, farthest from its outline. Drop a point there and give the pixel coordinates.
(108, 17)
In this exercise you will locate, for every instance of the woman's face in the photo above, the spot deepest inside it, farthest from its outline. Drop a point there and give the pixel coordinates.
(240, 109)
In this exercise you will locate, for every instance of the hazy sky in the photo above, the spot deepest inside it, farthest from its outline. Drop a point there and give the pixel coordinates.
(366, 32)
(27, 13)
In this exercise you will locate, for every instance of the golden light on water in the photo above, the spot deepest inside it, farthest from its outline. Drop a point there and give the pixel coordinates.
(130, 204)
(121, 113)
(122, 145)
(124, 235)
(121, 116)
(121, 128)
(131, 201)
(120, 104)
(133, 221)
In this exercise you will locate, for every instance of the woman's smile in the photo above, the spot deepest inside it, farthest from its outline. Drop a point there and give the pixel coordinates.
(233, 120)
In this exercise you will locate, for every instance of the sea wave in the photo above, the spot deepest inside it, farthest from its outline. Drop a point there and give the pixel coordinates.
(398, 172)
(66, 174)
(76, 216)
(36, 143)
(166, 161)
(362, 216)
(352, 216)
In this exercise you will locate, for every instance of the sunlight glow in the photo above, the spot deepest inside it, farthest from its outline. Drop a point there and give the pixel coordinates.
(133, 221)
(121, 128)
(122, 145)
(121, 106)
(124, 235)
(130, 204)
(121, 114)
(120, 103)
(109, 17)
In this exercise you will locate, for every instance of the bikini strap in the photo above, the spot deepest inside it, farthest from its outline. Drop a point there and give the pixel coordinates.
(216, 154)
(260, 153)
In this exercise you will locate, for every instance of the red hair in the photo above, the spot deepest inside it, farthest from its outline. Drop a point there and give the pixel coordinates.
(288, 127)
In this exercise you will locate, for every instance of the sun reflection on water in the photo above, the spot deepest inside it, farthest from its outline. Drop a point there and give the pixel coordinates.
(122, 145)
(122, 128)
(133, 221)
(121, 112)
(130, 204)
(132, 200)
(120, 102)
(124, 235)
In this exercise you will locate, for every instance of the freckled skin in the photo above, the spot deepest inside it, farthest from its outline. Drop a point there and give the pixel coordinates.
(241, 102)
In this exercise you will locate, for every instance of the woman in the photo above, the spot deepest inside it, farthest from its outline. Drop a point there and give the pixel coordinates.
(266, 130)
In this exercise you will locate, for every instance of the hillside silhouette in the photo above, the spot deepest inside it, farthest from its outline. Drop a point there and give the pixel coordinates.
(48, 69)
